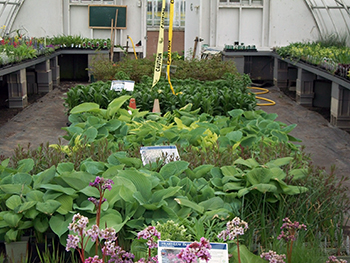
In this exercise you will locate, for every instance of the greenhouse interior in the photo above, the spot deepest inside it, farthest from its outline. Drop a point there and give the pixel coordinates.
(180, 131)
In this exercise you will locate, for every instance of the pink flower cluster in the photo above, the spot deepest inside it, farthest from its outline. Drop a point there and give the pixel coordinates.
(273, 257)
(149, 260)
(108, 235)
(334, 259)
(102, 184)
(196, 250)
(149, 234)
(289, 229)
(235, 227)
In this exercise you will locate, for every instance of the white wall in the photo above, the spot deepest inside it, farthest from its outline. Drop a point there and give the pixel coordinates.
(40, 17)
(291, 21)
(278, 23)
(58, 17)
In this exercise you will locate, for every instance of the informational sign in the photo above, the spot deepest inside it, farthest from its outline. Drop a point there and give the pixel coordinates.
(119, 85)
(151, 154)
(168, 250)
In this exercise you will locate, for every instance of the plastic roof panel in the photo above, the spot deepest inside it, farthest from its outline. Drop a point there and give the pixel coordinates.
(331, 16)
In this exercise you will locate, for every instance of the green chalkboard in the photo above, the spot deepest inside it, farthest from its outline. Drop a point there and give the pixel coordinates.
(100, 16)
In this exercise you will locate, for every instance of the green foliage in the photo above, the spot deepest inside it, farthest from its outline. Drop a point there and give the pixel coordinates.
(76, 41)
(173, 231)
(334, 58)
(212, 97)
(204, 69)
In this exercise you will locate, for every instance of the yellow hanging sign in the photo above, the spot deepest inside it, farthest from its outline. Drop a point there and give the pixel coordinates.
(170, 37)
(160, 47)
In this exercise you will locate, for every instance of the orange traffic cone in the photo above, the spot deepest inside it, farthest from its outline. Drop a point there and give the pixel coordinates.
(156, 107)
(132, 103)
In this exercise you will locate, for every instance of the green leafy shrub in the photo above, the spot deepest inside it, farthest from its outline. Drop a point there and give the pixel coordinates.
(211, 97)
(204, 69)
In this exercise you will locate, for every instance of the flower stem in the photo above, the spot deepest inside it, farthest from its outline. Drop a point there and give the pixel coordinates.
(289, 251)
(238, 254)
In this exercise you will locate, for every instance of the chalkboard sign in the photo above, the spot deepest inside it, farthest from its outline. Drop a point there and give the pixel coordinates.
(100, 16)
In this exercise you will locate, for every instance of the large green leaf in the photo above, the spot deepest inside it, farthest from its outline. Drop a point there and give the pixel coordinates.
(173, 169)
(49, 207)
(85, 107)
(90, 191)
(65, 167)
(44, 177)
(236, 186)
(66, 204)
(258, 175)
(78, 180)
(59, 223)
(89, 134)
(25, 206)
(92, 167)
(141, 182)
(281, 136)
(22, 178)
(58, 188)
(202, 170)
(13, 201)
(246, 256)
(12, 219)
(164, 193)
(298, 174)
(41, 224)
(25, 165)
(188, 203)
(264, 188)
(250, 163)
(279, 162)
(112, 218)
(234, 136)
(212, 203)
(15, 189)
(35, 195)
(115, 105)
(229, 171)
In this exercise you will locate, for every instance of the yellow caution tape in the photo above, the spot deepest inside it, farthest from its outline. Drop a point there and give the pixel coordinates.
(132, 43)
(169, 42)
(160, 47)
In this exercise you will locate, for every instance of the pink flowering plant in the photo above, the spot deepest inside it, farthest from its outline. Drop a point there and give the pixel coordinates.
(273, 257)
(234, 228)
(105, 238)
(151, 235)
(289, 234)
(110, 251)
(334, 259)
(196, 250)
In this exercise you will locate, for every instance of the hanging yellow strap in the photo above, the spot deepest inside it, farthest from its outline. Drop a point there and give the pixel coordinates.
(159, 58)
(169, 42)
(132, 43)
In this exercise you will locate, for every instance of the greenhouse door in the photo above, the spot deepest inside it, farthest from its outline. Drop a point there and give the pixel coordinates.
(245, 20)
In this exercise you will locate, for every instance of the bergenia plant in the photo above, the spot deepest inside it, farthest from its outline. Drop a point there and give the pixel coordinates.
(196, 250)
(273, 257)
(234, 228)
(102, 185)
(151, 235)
(110, 251)
(289, 234)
